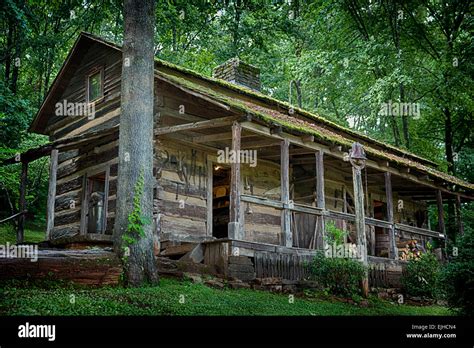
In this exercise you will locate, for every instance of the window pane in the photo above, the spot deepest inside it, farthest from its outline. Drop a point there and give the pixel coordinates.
(94, 86)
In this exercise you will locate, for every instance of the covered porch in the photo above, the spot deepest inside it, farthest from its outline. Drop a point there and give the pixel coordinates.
(315, 188)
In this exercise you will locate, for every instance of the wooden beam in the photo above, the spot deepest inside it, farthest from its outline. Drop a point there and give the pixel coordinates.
(391, 230)
(335, 148)
(214, 123)
(217, 137)
(168, 112)
(360, 220)
(193, 93)
(20, 233)
(188, 141)
(234, 208)
(276, 129)
(344, 197)
(420, 231)
(265, 131)
(425, 177)
(252, 145)
(308, 209)
(378, 223)
(84, 205)
(439, 203)
(209, 195)
(307, 138)
(53, 168)
(212, 137)
(61, 144)
(295, 152)
(320, 197)
(262, 201)
(106, 199)
(287, 236)
(13, 216)
(383, 224)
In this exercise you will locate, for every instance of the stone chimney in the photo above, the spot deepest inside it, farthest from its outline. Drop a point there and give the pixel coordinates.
(239, 73)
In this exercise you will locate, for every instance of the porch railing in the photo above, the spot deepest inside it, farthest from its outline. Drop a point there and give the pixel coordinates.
(336, 215)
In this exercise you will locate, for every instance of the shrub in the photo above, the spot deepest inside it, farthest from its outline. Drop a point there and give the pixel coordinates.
(334, 234)
(337, 275)
(421, 277)
(457, 277)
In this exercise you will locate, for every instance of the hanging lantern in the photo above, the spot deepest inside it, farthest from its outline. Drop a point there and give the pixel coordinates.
(357, 155)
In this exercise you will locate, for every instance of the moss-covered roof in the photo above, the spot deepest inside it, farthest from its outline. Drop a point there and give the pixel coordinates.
(269, 110)
(293, 124)
(274, 102)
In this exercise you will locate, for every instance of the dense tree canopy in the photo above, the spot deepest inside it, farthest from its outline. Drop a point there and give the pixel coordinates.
(344, 59)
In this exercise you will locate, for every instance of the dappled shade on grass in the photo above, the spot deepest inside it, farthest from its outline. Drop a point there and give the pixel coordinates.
(198, 300)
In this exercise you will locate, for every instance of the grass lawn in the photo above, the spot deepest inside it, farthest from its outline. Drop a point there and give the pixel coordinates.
(28, 299)
(54, 298)
(34, 233)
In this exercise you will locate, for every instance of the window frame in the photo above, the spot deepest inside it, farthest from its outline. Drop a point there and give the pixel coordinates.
(92, 72)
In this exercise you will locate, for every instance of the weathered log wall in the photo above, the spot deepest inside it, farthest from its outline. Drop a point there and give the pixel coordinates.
(73, 166)
(181, 194)
(107, 108)
(261, 224)
(181, 190)
(84, 267)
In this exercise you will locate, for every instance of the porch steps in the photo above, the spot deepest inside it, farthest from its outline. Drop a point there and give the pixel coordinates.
(177, 249)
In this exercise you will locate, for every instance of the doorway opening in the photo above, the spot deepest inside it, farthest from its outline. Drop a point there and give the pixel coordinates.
(220, 200)
(382, 244)
(96, 203)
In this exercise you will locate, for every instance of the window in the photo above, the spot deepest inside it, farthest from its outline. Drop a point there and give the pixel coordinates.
(94, 85)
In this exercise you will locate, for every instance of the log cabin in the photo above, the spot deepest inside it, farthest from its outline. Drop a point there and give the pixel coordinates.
(245, 183)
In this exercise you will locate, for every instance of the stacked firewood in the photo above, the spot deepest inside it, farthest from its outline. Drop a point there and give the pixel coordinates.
(410, 249)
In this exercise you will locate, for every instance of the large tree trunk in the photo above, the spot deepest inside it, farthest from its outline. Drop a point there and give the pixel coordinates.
(395, 131)
(136, 143)
(9, 50)
(16, 66)
(449, 145)
(448, 139)
(405, 120)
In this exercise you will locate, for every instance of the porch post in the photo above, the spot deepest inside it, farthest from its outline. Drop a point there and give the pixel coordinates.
(53, 166)
(459, 215)
(357, 159)
(439, 203)
(287, 236)
(234, 206)
(22, 202)
(391, 230)
(344, 210)
(320, 198)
